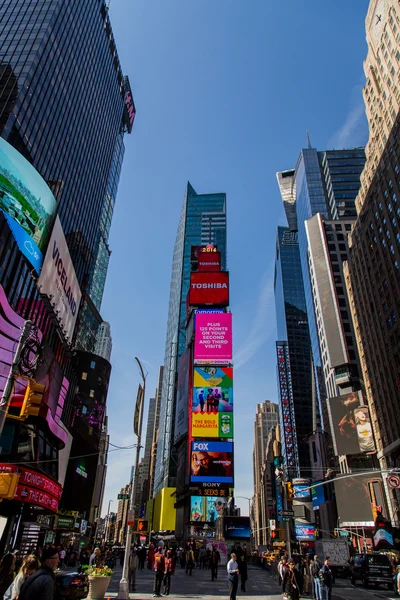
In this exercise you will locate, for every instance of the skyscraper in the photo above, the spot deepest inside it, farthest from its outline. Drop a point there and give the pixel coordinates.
(373, 269)
(266, 419)
(202, 221)
(71, 107)
(104, 341)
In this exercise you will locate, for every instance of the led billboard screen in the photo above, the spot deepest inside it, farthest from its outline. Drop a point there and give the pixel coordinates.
(237, 528)
(350, 424)
(209, 261)
(304, 531)
(203, 508)
(354, 499)
(211, 462)
(28, 203)
(213, 338)
(209, 289)
(212, 405)
(58, 281)
(317, 496)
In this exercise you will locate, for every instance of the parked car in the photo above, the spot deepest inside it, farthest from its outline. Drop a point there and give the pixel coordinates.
(372, 569)
(73, 586)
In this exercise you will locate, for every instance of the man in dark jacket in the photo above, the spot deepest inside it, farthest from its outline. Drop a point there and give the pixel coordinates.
(41, 585)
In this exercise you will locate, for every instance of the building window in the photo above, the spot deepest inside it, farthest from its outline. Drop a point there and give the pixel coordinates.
(84, 376)
(92, 364)
(91, 393)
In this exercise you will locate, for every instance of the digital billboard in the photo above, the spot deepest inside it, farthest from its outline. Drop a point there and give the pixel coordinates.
(27, 202)
(350, 424)
(208, 261)
(304, 531)
(211, 462)
(237, 528)
(317, 496)
(209, 289)
(213, 338)
(355, 499)
(212, 404)
(203, 508)
(301, 492)
(58, 281)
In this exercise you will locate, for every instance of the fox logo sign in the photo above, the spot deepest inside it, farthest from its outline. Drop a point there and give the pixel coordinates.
(200, 446)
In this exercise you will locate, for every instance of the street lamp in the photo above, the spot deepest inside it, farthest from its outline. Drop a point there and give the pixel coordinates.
(249, 500)
(123, 593)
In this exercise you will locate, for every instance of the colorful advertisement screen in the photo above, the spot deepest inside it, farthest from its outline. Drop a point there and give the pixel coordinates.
(301, 492)
(351, 425)
(317, 496)
(212, 404)
(204, 509)
(237, 528)
(209, 289)
(213, 338)
(27, 202)
(304, 531)
(211, 462)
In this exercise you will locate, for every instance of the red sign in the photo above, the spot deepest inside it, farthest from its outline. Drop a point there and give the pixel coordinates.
(209, 261)
(209, 289)
(33, 496)
(33, 479)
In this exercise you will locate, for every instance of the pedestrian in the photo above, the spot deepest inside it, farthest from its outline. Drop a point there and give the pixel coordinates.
(159, 567)
(291, 582)
(7, 565)
(30, 565)
(95, 558)
(233, 576)
(132, 568)
(62, 555)
(243, 573)
(326, 579)
(142, 557)
(41, 585)
(316, 581)
(150, 557)
(282, 568)
(203, 557)
(169, 570)
(396, 580)
(307, 576)
(189, 560)
(215, 559)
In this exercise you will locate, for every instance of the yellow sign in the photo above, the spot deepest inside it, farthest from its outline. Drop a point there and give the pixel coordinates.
(205, 425)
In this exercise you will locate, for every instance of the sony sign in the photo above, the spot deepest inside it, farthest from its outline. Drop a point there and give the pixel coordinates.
(58, 281)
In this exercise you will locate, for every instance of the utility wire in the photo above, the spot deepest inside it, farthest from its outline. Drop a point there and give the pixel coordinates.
(50, 460)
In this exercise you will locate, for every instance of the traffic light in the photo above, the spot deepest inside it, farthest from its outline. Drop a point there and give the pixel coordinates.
(142, 526)
(33, 400)
(8, 485)
(289, 490)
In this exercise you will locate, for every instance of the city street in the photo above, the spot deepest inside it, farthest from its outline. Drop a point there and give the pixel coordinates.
(261, 584)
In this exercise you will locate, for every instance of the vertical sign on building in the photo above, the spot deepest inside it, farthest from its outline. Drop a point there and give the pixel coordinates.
(289, 437)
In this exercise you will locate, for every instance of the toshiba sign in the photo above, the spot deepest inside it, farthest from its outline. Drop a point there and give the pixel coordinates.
(209, 289)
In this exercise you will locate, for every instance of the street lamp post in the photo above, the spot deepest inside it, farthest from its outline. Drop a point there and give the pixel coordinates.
(249, 501)
(123, 593)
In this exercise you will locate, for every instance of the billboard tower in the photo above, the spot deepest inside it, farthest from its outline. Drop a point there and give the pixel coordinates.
(204, 412)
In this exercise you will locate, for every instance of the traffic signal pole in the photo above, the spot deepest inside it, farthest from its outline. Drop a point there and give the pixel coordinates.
(123, 591)
(13, 374)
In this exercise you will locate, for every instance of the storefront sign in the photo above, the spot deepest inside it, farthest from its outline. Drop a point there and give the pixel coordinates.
(33, 479)
(34, 496)
(65, 522)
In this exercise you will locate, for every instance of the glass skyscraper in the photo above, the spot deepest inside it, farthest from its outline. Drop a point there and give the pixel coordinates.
(63, 106)
(202, 221)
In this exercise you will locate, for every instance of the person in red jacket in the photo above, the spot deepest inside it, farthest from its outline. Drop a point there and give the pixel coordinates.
(159, 568)
(169, 570)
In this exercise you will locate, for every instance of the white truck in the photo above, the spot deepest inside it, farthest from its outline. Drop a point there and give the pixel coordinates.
(338, 552)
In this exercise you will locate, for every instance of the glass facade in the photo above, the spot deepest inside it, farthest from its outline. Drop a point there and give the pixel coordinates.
(202, 221)
(293, 335)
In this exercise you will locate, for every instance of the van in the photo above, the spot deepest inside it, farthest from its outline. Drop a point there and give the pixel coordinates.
(372, 569)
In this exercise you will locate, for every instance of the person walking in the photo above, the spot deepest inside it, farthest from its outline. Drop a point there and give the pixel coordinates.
(41, 585)
(150, 557)
(315, 578)
(327, 580)
(169, 570)
(307, 576)
(30, 565)
(159, 567)
(214, 562)
(133, 562)
(189, 560)
(7, 565)
(243, 573)
(291, 583)
(282, 568)
(233, 576)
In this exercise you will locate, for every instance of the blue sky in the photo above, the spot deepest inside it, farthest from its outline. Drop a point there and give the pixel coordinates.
(225, 92)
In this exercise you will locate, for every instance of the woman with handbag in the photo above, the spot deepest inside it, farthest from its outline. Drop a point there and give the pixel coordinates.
(233, 576)
(291, 584)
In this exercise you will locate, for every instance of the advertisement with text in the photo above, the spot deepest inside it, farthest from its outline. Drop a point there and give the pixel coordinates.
(213, 338)
(212, 462)
(206, 509)
(209, 289)
(212, 405)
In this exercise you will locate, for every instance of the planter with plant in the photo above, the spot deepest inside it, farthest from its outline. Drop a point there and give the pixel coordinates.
(99, 579)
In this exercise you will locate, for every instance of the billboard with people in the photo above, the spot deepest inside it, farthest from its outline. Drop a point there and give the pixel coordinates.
(211, 462)
(203, 508)
(27, 202)
(351, 425)
(212, 403)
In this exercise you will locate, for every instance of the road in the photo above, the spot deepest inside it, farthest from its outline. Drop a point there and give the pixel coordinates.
(260, 585)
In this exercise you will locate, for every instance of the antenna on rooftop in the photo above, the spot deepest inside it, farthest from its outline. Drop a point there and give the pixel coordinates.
(308, 140)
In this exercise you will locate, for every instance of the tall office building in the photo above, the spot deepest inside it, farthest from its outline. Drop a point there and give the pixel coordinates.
(295, 381)
(103, 345)
(71, 108)
(154, 439)
(373, 269)
(267, 417)
(326, 183)
(202, 222)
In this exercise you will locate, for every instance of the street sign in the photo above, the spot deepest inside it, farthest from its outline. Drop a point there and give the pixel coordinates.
(285, 519)
(123, 496)
(394, 481)
(286, 513)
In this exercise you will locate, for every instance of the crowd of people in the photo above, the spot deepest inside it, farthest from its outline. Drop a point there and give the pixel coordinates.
(305, 577)
(30, 577)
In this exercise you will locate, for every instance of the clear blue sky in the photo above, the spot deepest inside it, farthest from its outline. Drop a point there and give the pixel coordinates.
(225, 91)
